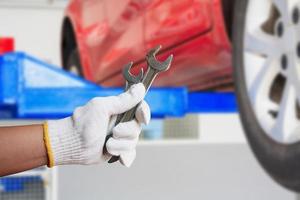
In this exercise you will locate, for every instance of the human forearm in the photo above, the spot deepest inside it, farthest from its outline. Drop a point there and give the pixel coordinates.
(21, 148)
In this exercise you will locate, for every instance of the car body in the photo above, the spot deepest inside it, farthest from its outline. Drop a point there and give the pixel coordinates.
(110, 33)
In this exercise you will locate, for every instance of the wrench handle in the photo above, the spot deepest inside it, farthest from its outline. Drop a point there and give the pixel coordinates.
(149, 78)
(120, 118)
(130, 114)
(127, 116)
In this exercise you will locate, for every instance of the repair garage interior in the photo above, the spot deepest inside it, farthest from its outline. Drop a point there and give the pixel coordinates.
(196, 156)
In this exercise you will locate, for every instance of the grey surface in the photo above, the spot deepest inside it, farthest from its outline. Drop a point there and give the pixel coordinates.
(199, 171)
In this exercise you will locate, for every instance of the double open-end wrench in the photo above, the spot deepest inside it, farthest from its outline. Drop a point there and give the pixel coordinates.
(130, 80)
(154, 68)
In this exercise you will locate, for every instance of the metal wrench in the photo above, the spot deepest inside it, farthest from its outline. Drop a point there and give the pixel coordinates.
(130, 80)
(154, 68)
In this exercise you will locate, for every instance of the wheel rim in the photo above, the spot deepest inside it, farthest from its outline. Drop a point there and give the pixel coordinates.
(272, 66)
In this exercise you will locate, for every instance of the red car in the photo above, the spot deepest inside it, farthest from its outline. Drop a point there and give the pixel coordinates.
(109, 33)
(260, 38)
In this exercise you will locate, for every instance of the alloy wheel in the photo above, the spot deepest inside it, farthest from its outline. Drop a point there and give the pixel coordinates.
(272, 66)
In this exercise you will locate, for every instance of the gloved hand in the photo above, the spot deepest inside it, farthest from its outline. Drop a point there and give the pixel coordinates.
(79, 139)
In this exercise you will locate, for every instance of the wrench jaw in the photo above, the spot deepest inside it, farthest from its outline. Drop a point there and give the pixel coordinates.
(154, 51)
(127, 68)
(154, 63)
(130, 78)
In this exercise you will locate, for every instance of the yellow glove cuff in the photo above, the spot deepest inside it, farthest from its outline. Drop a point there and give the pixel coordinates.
(48, 145)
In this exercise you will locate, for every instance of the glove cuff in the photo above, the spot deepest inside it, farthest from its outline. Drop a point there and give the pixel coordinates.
(64, 145)
(48, 145)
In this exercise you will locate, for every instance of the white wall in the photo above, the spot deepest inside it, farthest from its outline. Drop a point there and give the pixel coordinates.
(36, 29)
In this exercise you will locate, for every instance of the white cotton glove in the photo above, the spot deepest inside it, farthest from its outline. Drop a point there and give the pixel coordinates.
(80, 139)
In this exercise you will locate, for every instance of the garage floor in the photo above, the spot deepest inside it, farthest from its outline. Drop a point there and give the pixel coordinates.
(175, 171)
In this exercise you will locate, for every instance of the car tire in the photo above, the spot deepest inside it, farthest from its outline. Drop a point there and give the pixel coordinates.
(73, 64)
(281, 160)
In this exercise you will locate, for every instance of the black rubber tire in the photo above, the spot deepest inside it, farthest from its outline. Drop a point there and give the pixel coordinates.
(281, 161)
(73, 60)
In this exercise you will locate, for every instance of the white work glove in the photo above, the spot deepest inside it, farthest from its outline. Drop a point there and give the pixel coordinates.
(80, 139)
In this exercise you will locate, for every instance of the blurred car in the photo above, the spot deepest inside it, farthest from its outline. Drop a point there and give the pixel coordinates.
(100, 36)
(106, 34)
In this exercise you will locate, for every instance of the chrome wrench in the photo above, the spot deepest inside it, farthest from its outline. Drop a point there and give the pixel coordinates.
(130, 80)
(154, 68)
